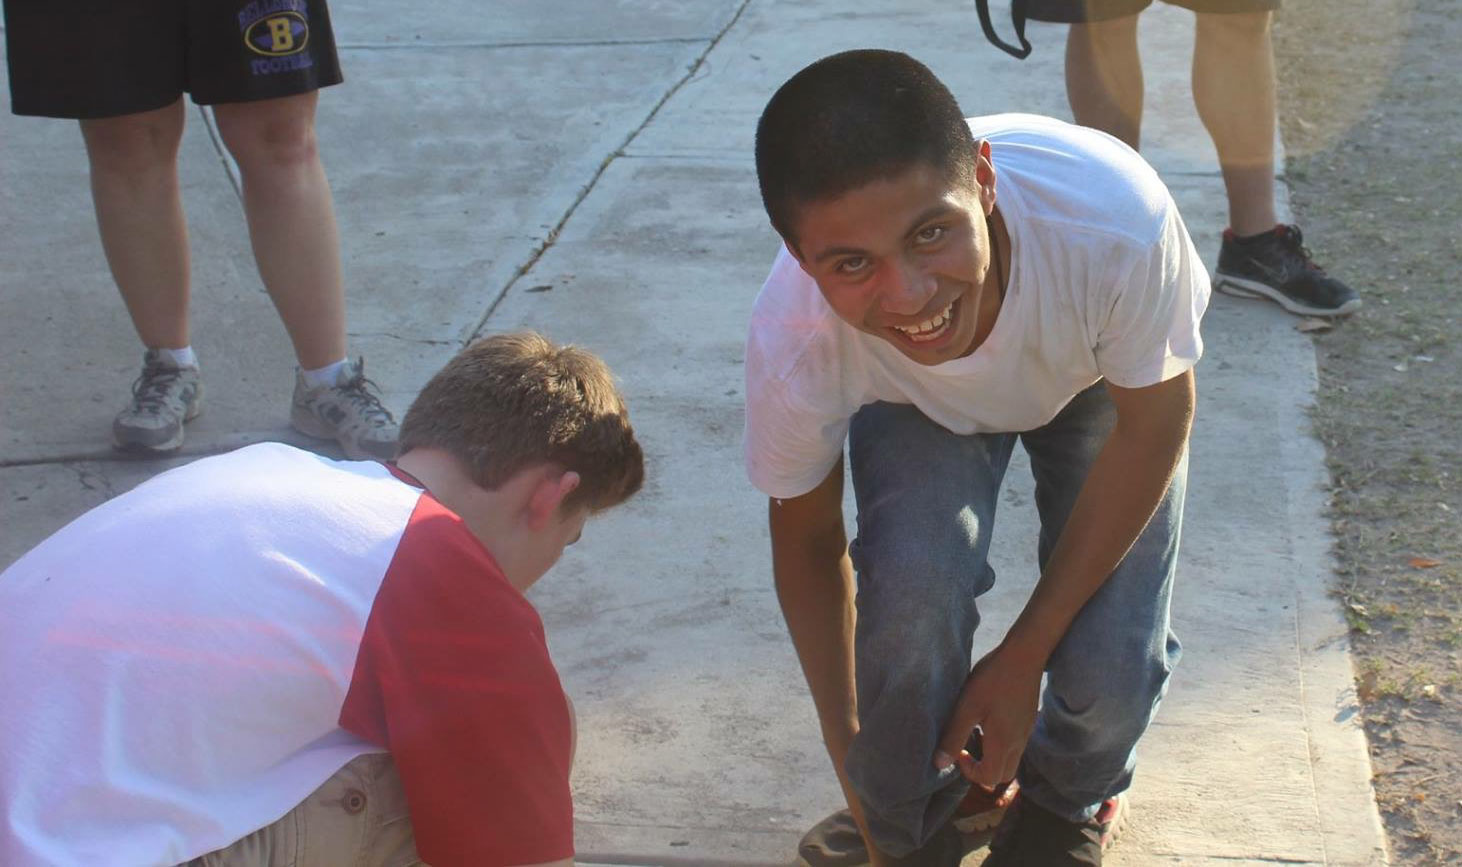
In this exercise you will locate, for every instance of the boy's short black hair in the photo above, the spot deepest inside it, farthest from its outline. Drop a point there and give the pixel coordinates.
(853, 118)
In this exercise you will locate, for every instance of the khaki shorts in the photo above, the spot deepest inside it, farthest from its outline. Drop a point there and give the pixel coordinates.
(356, 817)
(1074, 11)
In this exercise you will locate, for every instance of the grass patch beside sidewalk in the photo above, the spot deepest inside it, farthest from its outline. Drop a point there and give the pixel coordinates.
(1369, 112)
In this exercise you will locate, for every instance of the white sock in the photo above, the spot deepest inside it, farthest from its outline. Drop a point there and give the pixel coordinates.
(327, 375)
(179, 357)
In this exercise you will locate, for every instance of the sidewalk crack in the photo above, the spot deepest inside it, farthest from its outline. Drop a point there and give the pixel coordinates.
(552, 237)
(85, 475)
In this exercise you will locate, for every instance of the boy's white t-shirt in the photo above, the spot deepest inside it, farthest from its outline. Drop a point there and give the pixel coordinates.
(1104, 282)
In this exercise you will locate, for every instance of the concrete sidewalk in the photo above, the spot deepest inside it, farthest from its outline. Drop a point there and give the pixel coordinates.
(584, 168)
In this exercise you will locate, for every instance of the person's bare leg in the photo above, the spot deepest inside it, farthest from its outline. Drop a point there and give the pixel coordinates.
(1233, 87)
(139, 212)
(291, 219)
(1104, 77)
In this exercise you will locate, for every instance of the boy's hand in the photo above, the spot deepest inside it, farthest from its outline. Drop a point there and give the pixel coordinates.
(1000, 697)
(1125, 484)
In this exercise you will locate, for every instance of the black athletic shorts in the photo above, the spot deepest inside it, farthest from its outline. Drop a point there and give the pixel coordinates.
(1074, 11)
(104, 58)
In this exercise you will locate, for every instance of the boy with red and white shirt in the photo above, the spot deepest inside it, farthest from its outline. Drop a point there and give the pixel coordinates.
(269, 653)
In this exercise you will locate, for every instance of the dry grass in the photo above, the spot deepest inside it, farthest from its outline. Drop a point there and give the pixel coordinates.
(1369, 96)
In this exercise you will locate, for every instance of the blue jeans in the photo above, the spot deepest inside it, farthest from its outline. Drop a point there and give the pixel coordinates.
(926, 507)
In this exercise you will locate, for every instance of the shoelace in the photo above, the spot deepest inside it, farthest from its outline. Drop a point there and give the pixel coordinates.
(150, 389)
(1294, 239)
(358, 391)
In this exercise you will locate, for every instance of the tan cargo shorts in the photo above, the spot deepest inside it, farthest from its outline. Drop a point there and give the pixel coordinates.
(356, 817)
(1076, 11)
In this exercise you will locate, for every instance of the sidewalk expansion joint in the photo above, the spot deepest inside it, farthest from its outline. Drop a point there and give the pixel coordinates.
(727, 157)
(109, 455)
(527, 43)
(230, 168)
(61, 460)
(552, 236)
(424, 341)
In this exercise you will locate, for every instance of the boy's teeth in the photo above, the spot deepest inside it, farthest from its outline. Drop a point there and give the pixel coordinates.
(928, 326)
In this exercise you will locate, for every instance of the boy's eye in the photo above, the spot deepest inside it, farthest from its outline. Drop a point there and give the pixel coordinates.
(852, 265)
(929, 234)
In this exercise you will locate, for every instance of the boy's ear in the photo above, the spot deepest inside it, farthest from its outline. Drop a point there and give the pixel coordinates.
(548, 494)
(985, 175)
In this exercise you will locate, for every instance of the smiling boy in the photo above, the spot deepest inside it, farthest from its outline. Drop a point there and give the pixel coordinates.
(946, 288)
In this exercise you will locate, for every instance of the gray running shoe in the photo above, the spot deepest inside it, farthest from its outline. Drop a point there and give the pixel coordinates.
(163, 398)
(349, 412)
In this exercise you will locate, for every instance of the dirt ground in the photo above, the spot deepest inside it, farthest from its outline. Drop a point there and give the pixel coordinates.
(1369, 99)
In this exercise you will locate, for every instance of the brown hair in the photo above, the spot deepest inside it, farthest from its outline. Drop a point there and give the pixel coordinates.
(513, 401)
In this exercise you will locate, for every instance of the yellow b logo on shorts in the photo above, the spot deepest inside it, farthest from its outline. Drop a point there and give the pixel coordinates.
(279, 32)
(278, 35)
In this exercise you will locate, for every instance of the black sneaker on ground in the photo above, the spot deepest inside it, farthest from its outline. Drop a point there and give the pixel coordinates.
(833, 842)
(1276, 265)
(1032, 836)
(836, 842)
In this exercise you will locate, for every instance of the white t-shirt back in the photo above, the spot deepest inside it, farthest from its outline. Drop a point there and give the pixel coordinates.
(188, 661)
(140, 644)
(1104, 283)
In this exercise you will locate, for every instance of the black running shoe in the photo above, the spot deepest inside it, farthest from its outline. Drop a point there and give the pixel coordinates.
(1032, 836)
(836, 842)
(1276, 265)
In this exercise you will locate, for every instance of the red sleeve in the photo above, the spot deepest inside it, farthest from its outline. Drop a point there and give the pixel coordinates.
(454, 679)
